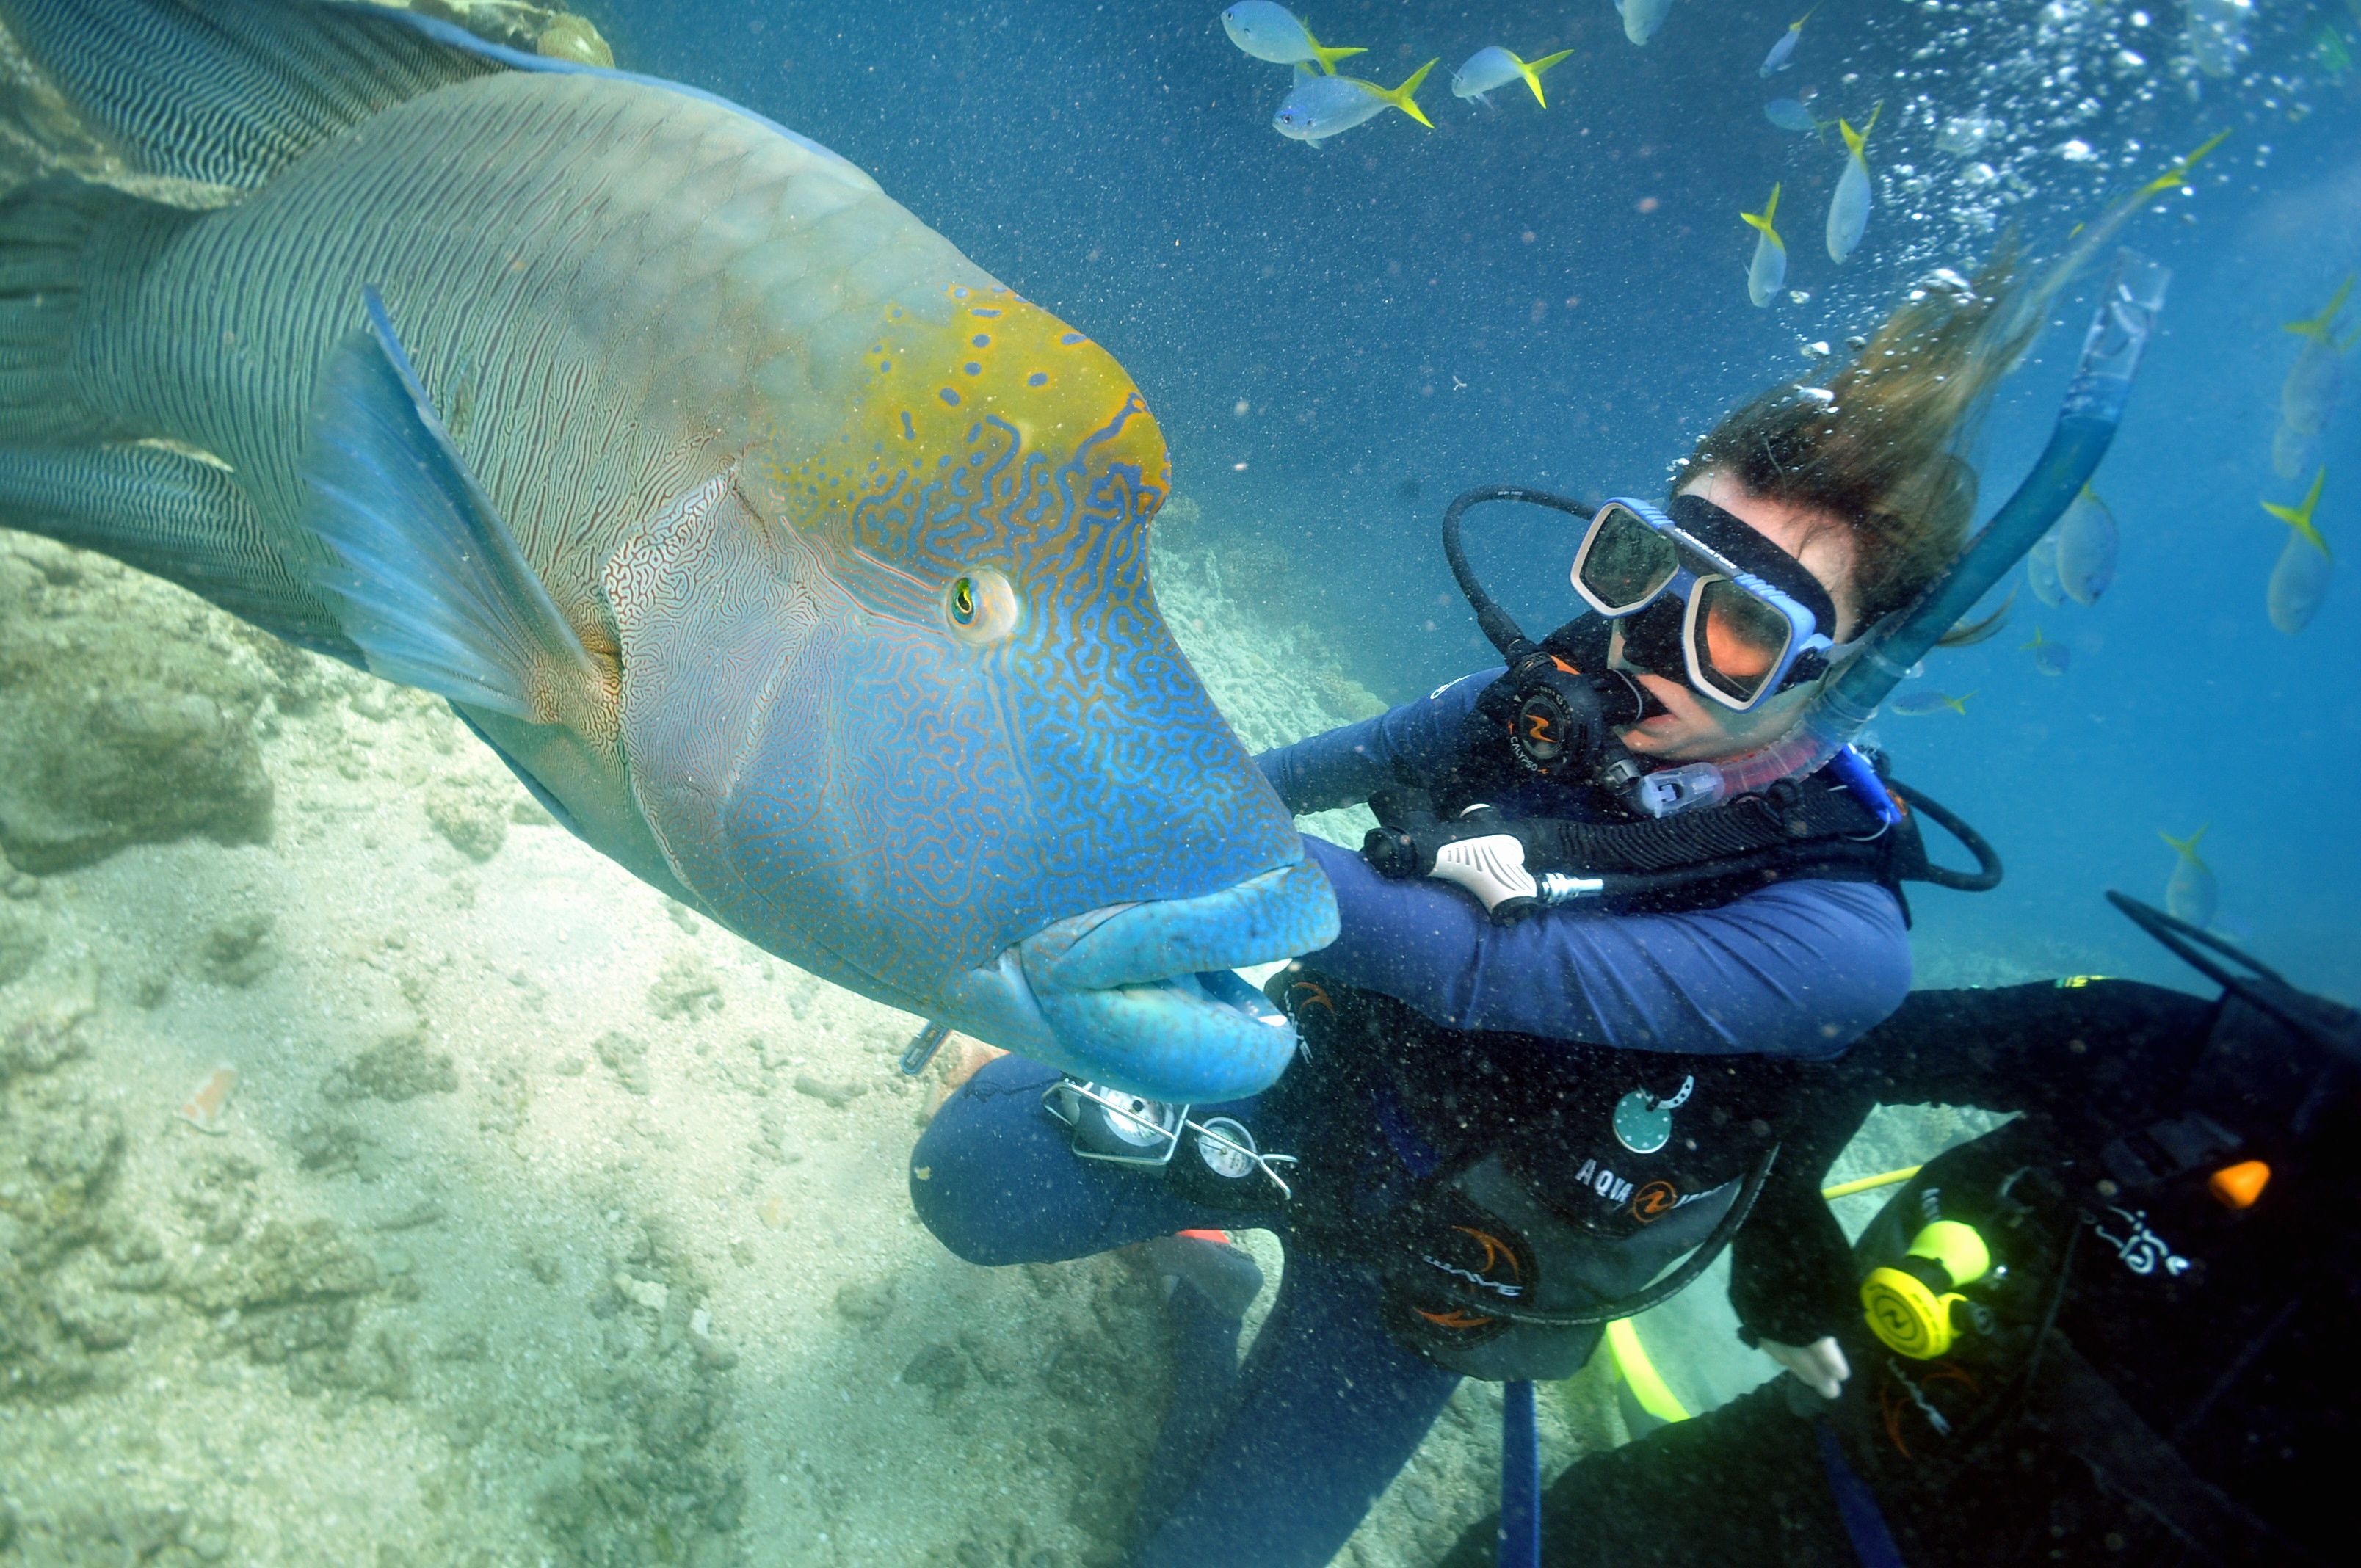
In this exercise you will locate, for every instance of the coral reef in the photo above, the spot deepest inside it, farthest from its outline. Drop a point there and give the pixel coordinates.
(116, 727)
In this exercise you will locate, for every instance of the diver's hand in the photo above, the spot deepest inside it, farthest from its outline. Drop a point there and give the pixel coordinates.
(1821, 1364)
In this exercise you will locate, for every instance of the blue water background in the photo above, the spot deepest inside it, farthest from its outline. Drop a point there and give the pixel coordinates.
(1557, 298)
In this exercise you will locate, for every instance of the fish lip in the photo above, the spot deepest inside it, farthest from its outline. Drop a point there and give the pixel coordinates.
(1139, 996)
(1285, 911)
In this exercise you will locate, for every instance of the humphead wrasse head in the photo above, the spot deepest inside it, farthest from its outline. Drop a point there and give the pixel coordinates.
(898, 705)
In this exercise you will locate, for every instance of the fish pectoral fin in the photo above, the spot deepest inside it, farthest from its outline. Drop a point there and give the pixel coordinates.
(423, 574)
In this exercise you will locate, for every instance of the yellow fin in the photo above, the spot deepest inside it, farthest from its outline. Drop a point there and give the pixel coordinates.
(2188, 847)
(2319, 326)
(1404, 97)
(1328, 57)
(2176, 173)
(2300, 517)
(1533, 69)
(1960, 703)
(1763, 219)
(1855, 138)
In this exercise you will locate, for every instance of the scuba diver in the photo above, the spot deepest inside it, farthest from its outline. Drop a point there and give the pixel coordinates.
(2117, 1329)
(1624, 894)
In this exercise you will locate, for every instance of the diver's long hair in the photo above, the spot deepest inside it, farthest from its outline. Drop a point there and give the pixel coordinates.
(1882, 446)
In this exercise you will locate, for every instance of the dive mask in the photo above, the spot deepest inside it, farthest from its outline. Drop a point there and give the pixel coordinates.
(1748, 620)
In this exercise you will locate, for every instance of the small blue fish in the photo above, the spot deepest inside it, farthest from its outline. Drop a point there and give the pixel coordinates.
(2300, 581)
(1965, 135)
(1643, 17)
(1783, 53)
(2041, 570)
(1767, 273)
(2050, 658)
(2309, 395)
(2191, 895)
(1493, 67)
(2086, 548)
(1789, 115)
(1322, 106)
(2292, 451)
(1272, 32)
(1917, 705)
(1848, 208)
(2216, 35)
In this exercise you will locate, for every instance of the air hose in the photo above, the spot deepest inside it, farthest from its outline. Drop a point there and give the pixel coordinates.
(1848, 699)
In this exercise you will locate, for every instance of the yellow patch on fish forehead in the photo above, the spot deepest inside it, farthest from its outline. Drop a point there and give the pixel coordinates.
(979, 439)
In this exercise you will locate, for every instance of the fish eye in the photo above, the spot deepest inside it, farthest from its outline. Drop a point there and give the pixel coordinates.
(980, 607)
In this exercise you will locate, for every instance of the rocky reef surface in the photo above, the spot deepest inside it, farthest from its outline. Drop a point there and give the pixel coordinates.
(387, 1179)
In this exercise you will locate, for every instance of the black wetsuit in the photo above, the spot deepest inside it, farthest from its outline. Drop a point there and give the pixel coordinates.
(2172, 1378)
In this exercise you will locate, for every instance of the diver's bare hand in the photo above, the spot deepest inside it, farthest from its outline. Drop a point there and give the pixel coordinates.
(1821, 1364)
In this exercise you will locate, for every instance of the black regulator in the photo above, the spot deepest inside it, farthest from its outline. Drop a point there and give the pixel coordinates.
(1559, 718)
(1554, 714)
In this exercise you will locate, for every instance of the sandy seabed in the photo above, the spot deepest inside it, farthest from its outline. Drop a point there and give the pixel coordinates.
(546, 1222)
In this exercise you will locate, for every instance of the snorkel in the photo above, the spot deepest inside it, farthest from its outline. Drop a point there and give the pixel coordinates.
(1848, 699)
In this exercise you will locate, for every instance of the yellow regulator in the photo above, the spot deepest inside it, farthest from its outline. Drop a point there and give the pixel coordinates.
(1909, 1304)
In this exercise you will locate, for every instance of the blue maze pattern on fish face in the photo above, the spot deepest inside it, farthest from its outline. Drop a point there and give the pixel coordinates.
(1071, 763)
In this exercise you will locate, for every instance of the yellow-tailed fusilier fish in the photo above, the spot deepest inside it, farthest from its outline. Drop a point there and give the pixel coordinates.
(1643, 17)
(2191, 895)
(2041, 570)
(2299, 580)
(2087, 546)
(788, 556)
(2308, 396)
(2050, 657)
(2216, 34)
(1322, 106)
(1917, 705)
(1767, 273)
(1493, 66)
(1272, 32)
(1783, 52)
(1848, 208)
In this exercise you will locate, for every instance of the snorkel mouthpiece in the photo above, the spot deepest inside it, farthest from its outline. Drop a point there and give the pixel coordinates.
(1849, 698)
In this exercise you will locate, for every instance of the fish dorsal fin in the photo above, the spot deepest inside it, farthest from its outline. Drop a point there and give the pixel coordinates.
(229, 91)
(427, 578)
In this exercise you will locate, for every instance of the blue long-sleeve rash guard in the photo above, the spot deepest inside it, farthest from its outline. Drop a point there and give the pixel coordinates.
(1796, 969)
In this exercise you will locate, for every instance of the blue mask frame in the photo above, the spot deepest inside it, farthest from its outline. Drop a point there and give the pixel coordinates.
(1697, 564)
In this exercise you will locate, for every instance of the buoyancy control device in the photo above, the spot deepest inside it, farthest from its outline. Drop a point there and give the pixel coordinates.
(1551, 717)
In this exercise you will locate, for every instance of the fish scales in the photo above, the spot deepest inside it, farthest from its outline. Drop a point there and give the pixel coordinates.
(651, 282)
